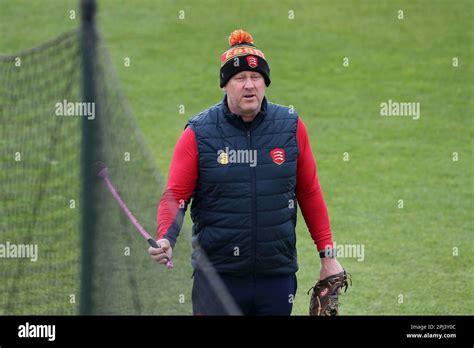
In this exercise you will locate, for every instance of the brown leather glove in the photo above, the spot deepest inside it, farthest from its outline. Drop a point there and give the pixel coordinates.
(325, 296)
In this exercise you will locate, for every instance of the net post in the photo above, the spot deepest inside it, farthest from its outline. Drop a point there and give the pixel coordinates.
(88, 154)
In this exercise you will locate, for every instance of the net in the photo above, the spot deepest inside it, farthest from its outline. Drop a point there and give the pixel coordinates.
(41, 191)
(41, 213)
(39, 176)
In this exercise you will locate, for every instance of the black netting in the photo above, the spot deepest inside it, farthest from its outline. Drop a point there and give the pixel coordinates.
(40, 199)
(39, 175)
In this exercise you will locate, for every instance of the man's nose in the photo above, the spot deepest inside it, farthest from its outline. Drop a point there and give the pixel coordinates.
(248, 83)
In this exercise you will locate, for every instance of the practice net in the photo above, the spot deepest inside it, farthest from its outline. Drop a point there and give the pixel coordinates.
(40, 197)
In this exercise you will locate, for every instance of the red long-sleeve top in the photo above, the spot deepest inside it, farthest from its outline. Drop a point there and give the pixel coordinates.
(183, 176)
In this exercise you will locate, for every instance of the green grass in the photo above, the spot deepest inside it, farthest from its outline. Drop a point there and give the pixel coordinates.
(407, 251)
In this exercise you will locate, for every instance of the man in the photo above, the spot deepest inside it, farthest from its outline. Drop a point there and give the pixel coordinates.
(246, 163)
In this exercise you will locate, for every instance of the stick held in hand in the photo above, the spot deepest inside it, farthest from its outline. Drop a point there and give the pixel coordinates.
(102, 172)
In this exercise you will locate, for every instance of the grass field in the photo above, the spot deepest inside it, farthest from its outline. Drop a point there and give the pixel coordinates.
(409, 250)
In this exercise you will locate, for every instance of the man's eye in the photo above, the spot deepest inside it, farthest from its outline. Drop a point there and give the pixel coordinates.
(255, 77)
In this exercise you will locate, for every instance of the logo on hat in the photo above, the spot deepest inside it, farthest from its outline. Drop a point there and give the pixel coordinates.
(278, 155)
(252, 61)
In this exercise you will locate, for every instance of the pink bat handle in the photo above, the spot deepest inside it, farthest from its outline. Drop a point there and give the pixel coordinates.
(154, 244)
(103, 173)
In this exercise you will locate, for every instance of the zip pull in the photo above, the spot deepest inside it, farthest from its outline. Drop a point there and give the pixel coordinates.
(248, 133)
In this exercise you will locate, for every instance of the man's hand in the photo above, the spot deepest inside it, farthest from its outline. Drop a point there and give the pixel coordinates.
(329, 267)
(325, 296)
(163, 253)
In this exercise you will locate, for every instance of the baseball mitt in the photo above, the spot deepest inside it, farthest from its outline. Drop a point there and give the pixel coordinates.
(325, 296)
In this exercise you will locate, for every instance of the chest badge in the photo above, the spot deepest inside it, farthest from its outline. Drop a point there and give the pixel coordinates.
(223, 158)
(278, 155)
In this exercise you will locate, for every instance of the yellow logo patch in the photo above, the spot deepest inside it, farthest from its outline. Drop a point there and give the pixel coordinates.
(223, 158)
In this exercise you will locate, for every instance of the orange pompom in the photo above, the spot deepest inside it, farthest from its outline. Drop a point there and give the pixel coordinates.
(239, 36)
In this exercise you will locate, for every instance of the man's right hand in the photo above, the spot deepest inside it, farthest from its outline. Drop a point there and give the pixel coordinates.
(163, 253)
